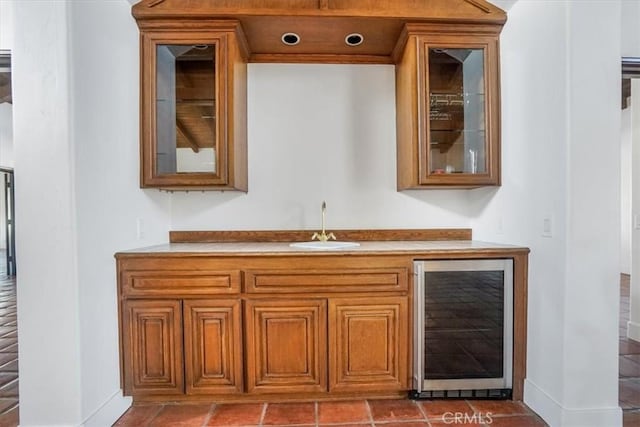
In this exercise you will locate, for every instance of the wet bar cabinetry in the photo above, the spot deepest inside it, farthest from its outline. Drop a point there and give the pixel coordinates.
(272, 325)
(194, 59)
(448, 103)
(263, 321)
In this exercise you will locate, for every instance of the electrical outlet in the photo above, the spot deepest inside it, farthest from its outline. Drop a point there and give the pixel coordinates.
(636, 222)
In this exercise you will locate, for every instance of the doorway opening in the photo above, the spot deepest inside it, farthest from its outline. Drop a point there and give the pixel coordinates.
(629, 345)
(7, 223)
(8, 304)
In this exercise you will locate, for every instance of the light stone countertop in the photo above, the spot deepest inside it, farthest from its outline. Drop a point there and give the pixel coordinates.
(251, 248)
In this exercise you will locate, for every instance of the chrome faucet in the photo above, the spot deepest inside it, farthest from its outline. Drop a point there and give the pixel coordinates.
(323, 236)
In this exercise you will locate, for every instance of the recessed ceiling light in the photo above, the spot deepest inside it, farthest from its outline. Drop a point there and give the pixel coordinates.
(354, 39)
(290, 39)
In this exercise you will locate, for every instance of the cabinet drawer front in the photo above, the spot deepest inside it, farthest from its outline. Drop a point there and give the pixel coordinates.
(347, 280)
(182, 282)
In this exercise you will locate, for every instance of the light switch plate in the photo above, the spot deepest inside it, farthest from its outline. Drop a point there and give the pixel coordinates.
(636, 222)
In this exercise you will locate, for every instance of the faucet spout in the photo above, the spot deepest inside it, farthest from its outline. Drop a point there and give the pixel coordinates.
(323, 236)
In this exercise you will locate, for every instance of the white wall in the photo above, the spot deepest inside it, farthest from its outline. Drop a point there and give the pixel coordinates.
(593, 243)
(633, 329)
(6, 116)
(555, 166)
(625, 192)
(6, 25)
(109, 202)
(534, 163)
(6, 135)
(319, 132)
(78, 201)
(630, 28)
(48, 312)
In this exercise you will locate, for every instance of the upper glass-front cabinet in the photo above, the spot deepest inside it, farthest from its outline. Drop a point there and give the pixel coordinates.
(456, 111)
(449, 127)
(185, 109)
(194, 110)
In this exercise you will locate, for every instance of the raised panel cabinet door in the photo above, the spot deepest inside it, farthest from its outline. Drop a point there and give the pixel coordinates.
(213, 352)
(286, 345)
(153, 359)
(368, 344)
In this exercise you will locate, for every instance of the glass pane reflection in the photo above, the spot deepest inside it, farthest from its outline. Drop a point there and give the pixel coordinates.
(185, 109)
(457, 111)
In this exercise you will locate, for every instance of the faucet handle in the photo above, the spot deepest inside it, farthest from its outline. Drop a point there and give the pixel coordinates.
(331, 236)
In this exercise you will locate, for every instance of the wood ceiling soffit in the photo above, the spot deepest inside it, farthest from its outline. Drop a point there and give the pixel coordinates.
(479, 11)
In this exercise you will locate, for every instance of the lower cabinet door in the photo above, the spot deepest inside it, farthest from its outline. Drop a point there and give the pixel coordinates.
(152, 341)
(368, 344)
(286, 346)
(213, 352)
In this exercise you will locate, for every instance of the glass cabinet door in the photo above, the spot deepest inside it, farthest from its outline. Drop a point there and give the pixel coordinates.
(185, 109)
(457, 111)
(193, 108)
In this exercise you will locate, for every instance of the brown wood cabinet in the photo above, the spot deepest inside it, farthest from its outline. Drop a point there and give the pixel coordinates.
(152, 347)
(286, 343)
(263, 326)
(193, 97)
(280, 325)
(193, 106)
(368, 345)
(448, 106)
(213, 347)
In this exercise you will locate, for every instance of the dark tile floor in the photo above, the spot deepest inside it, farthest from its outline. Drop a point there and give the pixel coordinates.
(8, 353)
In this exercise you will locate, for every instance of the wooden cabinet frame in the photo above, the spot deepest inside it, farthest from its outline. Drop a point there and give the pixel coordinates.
(286, 344)
(213, 347)
(320, 298)
(152, 347)
(230, 105)
(412, 101)
(368, 345)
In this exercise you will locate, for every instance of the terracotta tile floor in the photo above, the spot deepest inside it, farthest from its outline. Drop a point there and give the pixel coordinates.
(356, 413)
(8, 353)
(629, 363)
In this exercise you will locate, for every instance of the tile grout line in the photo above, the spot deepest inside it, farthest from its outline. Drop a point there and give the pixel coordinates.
(366, 401)
(263, 414)
(212, 409)
(161, 407)
(422, 411)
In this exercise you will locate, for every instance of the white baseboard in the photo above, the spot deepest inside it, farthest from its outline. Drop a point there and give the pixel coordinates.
(633, 330)
(109, 412)
(542, 404)
(554, 414)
